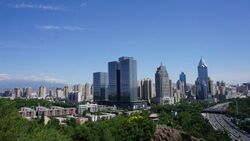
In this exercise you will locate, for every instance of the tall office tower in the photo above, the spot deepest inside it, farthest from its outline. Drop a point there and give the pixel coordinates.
(139, 89)
(181, 87)
(42, 91)
(202, 92)
(162, 85)
(123, 84)
(147, 89)
(153, 90)
(221, 88)
(60, 93)
(177, 96)
(128, 76)
(28, 92)
(183, 79)
(51, 93)
(24, 92)
(67, 89)
(211, 87)
(92, 90)
(114, 81)
(100, 86)
(17, 92)
(74, 97)
(193, 91)
(78, 88)
(88, 92)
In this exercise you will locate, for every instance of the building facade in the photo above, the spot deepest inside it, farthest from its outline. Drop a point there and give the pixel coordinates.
(74, 97)
(88, 95)
(42, 91)
(123, 80)
(183, 78)
(162, 85)
(202, 86)
(100, 84)
(128, 77)
(114, 81)
(145, 88)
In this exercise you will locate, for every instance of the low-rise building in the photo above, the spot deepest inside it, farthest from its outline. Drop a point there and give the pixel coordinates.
(55, 111)
(28, 112)
(92, 108)
(94, 118)
(82, 120)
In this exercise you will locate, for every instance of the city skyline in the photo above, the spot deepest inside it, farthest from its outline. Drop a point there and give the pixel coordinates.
(68, 41)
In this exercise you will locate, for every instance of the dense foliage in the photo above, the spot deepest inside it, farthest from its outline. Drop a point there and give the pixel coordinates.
(122, 128)
(243, 112)
(118, 128)
(243, 108)
(36, 102)
(189, 119)
(14, 127)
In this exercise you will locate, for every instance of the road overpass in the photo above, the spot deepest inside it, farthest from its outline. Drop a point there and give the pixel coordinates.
(218, 119)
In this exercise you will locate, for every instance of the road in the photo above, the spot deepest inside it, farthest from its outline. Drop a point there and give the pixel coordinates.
(222, 122)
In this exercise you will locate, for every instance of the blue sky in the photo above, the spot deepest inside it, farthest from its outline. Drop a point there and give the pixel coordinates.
(68, 40)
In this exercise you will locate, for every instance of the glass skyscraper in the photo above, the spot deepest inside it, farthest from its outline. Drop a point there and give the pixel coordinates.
(128, 75)
(123, 80)
(100, 84)
(202, 81)
(114, 81)
(183, 79)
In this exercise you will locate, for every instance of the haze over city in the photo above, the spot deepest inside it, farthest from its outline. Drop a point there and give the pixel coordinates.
(66, 41)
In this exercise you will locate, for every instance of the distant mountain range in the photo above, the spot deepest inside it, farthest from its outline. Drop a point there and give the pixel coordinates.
(10, 84)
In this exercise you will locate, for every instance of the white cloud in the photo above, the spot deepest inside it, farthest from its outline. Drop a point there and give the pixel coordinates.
(68, 28)
(4, 77)
(39, 77)
(35, 6)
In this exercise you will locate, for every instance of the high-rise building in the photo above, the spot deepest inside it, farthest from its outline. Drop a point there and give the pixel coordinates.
(184, 80)
(147, 89)
(139, 89)
(28, 92)
(211, 87)
(100, 84)
(60, 93)
(88, 92)
(153, 90)
(17, 92)
(193, 91)
(220, 88)
(74, 97)
(171, 88)
(181, 87)
(202, 85)
(51, 93)
(114, 81)
(162, 85)
(128, 77)
(42, 91)
(123, 80)
(67, 89)
(78, 88)
(177, 96)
